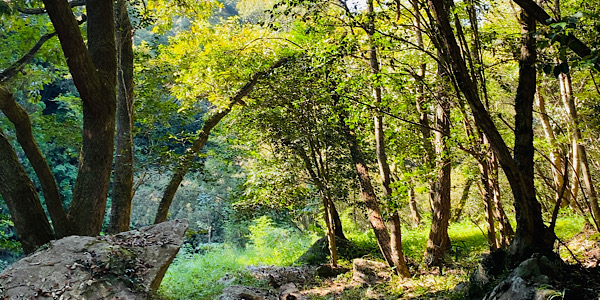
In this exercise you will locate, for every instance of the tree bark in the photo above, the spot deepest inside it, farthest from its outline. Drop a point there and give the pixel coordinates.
(532, 235)
(384, 167)
(368, 193)
(122, 191)
(20, 119)
(439, 241)
(20, 196)
(192, 152)
(94, 75)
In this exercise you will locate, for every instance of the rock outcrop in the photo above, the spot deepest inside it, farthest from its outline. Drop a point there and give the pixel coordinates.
(128, 265)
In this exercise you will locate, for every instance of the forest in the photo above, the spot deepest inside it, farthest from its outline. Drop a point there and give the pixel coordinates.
(446, 140)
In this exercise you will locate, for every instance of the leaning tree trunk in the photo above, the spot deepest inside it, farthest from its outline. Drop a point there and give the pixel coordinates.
(19, 194)
(384, 168)
(327, 202)
(532, 235)
(19, 117)
(202, 138)
(368, 193)
(122, 192)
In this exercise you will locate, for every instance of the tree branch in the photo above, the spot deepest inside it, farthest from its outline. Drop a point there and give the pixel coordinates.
(39, 11)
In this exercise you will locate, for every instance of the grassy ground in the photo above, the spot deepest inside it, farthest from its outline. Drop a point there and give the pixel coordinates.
(203, 276)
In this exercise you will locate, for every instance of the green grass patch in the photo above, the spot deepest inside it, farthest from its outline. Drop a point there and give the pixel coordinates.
(196, 276)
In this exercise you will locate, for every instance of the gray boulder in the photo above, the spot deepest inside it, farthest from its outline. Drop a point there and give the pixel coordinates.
(128, 265)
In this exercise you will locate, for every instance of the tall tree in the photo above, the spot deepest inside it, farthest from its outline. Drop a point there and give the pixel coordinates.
(122, 190)
(531, 234)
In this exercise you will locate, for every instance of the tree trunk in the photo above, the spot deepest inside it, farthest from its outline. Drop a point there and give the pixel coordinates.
(532, 235)
(122, 191)
(438, 241)
(328, 207)
(412, 204)
(94, 75)
(384, 168)
(20, 119)
(555, 157)
(488, 203)
(192, 152)
(337, 222)
(504, 228)
(19, 194)
(368, 193)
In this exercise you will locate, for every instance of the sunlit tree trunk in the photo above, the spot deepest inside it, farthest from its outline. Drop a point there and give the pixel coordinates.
(439, 241)
(368, 193)
(555, 157)
(384, 168)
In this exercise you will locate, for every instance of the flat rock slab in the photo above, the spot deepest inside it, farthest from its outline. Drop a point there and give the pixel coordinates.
(128, 265)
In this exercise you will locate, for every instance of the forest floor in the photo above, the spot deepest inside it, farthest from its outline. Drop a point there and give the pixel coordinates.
(581, 252)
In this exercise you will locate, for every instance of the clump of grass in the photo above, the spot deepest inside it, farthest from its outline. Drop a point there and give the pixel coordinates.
(196, 276)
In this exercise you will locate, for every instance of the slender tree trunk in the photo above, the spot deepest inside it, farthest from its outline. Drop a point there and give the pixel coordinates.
(122, 192)
(368, 193)
(20, 119)
(504, 227)
(327, 202)
(421, 105)
(337, 222)
(555, 157)
(397, 257)
(412, 204)
(19, 194)
(591, 191)
(198, 144)
(566, 95)
(488, 203)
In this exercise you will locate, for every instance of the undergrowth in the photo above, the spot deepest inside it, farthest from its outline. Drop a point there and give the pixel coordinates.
(203, 276)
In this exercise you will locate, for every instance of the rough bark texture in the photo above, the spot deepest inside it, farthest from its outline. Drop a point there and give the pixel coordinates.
(438, 241)
(528, 211)
(192, 152)
(23, 203)
(20, 119)
(122, 191)
(531, 233)
(94, 75)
